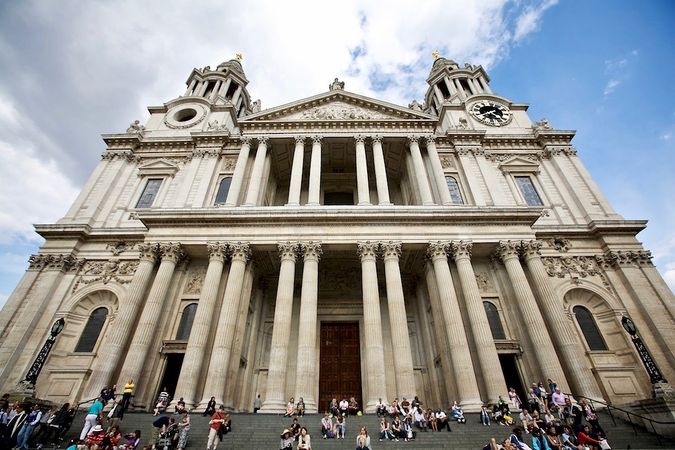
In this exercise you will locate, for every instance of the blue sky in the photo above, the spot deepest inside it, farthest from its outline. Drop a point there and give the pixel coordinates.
(73, 70)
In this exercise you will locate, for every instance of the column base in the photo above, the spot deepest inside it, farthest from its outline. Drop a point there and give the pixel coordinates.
(272, 407)
(313, 204)
(428, 203)
(471, 406)
(292, 204)
(385, 204)
(364, 204)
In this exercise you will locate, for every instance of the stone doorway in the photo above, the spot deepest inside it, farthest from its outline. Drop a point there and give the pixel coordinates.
(512, 375)
(174, 362)
(340, 363)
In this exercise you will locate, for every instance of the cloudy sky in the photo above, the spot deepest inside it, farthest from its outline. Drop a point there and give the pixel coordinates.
(72, 70)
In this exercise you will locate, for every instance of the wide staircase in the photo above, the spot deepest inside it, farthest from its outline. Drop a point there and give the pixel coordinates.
(261, 432)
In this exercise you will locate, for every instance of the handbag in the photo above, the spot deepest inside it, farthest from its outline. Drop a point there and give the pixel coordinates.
(604, 445)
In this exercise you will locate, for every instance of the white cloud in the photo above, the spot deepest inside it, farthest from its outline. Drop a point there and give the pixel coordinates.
(618, 70)
(611, 86)
(530, 20)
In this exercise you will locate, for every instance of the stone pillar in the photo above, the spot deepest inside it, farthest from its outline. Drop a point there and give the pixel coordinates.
(275, 401)
(547, 358)
(306, 371)
(460, 89)
(372, 326)
(562, 329)
(106, 364)
(438, 173)
(362, 170)
(188, 91)
(195, 353)
(222, 344)
(296, 172)
(482, 336)
(239, 171)
(420, 171)
(400, 336)
(254, 185)
(315, 173)
(170, 253)
(380, 172)
(465, 377)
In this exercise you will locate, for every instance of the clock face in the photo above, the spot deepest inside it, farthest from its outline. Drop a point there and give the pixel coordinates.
(491, 113)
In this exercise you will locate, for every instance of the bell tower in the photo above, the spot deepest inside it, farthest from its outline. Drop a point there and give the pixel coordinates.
(223, 86)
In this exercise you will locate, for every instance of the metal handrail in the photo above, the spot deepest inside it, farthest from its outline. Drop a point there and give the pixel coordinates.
(91, 400)
(609, 407)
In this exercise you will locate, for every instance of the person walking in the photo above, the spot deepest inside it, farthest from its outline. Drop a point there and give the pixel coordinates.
(94, 415)
(183, 430)
(217, 420)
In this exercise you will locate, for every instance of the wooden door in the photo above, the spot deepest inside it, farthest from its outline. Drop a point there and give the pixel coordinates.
(340, 366)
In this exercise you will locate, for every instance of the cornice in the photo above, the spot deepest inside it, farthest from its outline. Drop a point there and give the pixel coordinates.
(78, 231)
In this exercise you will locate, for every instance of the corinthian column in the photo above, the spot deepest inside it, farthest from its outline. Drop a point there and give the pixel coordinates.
(546, 356)
(567, 344)
(315, 173)
(281, 332)
(362, 170)
(465, 377)
(437, 168)
(106, 364)
(239, 171)
(254, 185)
(222, 343)
(400, 337)
(380, 172)
(296, 172)
(372, 326)
(482, 336)
(306, 373)
(420, 171)
(193, 360)
(170, 253)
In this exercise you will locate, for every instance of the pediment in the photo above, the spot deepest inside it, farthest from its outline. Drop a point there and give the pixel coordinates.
(519, 164)
(338, 106)
(158, 167)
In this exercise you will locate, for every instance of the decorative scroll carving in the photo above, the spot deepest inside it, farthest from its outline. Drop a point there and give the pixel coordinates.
(391, 249)
(484, 282)
(217, 250)
(367, 249)
(560, 244)
(531, 248)
(245, 140)
(263, 140)
(461, 249)
(508, 249)
(412, 139)
(437, 250)
(127, 155)
(240, 250)
(288, 250)
(213, 125)
(376, 138)
(116, 270)
(317, 139)
(573, 266)
(500, 157)
(555, 150)
(311, 250)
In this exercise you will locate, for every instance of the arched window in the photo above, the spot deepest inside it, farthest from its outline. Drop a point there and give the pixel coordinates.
(92, 330)
(223, 189)
(589, 329)
(185, 325)
(493, 319)
(455, 193)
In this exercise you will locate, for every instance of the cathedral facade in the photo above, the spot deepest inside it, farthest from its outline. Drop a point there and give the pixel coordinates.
(339, 246)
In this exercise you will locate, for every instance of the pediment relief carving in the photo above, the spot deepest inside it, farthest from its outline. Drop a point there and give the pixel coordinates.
(338, 111)
(519, 164)
(158, 167)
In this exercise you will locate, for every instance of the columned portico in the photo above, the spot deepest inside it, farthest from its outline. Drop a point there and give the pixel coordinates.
(420, 171)
(380, 172)
(362, 170)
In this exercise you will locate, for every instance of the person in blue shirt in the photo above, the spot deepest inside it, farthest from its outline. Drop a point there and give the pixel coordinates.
(91, 419)
(28, 427)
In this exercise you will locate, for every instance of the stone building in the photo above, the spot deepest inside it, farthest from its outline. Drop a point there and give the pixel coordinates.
(340, 246)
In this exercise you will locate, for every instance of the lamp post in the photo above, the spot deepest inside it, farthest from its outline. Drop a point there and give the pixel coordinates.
(27, 385)
(655, 375)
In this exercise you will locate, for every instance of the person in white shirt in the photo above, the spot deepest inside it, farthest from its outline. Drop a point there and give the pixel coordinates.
(344, 404)
(558, 400)
(419, 420)
(381, 408)
(442, 420)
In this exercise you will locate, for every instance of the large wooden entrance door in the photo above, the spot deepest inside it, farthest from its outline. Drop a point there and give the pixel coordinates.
(340, 366)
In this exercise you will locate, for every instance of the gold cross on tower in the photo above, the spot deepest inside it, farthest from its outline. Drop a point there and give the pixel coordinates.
(239, 56)
(435, 54)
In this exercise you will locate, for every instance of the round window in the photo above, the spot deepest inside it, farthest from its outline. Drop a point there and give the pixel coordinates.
(184, 115)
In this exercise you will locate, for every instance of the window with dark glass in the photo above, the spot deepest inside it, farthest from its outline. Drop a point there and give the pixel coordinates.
(149, 193)
(493, 319)
(223, 189)
(338, 198)
(589, 329)
(92, 330)
(528, 190)
(455, 193)
(185, 325)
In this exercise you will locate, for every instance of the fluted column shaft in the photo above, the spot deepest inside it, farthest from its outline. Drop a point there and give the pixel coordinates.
(306, 370)
(420, 171)
(372, 324)
(296, 172)
(115, 344)
(170, 254)
(193, 359)
(488, 359)
(542, 345)
(398, 319)
(438, 174)
(281, 332)
(380, 172)
(362, 171)
(315, 173)
(222, 343)
(465, 377)
(567, 343)
(254, 185)
(239, 171)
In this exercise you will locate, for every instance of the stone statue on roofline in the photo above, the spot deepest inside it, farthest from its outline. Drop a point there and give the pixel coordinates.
(415, 105)
(543, 124)
(337, 85)
(136, 127)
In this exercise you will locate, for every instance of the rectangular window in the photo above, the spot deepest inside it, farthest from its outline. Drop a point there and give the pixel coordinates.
(149, 193)
(455, 193)
(529, 192)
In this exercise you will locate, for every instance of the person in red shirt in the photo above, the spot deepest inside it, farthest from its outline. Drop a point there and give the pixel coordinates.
(586, 440)
(217, 420)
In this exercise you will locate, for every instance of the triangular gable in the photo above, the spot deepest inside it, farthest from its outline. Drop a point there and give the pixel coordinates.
(337, 106)
(519, 164)
(158, 167)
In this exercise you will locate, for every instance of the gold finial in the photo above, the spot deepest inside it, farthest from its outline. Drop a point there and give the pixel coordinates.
(435, 54)
(239, 56)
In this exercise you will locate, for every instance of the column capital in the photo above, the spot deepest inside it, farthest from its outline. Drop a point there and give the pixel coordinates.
(263, 140)
(413, 138)
(147, 251)
(245, 140)
(171, 251)
(437, 250)
(508, 249)
(217, 251)
(299, 139)
(461, 249)
(531, 249)
(367, 250)
(376, 138)
(240, 251)
(430, 139)
(360, 138)
(316, 139)
(311, 250)
(288, 250)
(391, 250)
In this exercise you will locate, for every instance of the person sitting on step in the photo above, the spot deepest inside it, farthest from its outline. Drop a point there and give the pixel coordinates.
(327, 427)
(419, 420)
(385, 430)
(381, 408)
(290, 408)
(457, 413)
